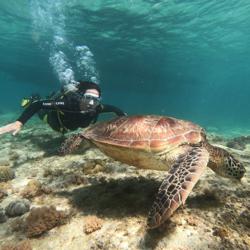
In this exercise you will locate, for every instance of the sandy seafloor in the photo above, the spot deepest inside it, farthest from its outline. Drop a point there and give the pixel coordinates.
(105, 203)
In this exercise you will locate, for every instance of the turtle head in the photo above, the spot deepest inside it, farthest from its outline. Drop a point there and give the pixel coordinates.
(226, 165)
(233, 168)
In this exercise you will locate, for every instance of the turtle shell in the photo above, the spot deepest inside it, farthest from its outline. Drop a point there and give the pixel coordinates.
(148, 133)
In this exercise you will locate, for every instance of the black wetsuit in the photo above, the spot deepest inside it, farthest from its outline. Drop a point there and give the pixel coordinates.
(66, 113)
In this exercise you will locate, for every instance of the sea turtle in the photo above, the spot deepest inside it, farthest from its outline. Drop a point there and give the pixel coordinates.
(160, 143)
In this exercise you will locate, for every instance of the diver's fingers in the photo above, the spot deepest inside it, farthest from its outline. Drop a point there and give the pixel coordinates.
(15, 126)
(6, 129)
(16, 131)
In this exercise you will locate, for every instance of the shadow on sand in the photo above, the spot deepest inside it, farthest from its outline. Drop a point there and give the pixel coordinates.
(115, 198)
(49, 144)
(132, 196)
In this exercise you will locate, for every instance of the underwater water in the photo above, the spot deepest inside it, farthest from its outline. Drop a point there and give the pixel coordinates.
(188, 59)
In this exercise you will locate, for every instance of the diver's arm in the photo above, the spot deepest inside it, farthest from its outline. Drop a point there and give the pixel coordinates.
(38, 105)
(105, 108)
(29, 111)
(16, 126)
(34, 107)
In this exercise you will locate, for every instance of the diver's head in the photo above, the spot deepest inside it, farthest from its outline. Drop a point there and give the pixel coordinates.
(90, 95)
(83, 86)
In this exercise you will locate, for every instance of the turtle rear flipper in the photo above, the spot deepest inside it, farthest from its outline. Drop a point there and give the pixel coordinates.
(71, 144)
(175, 188)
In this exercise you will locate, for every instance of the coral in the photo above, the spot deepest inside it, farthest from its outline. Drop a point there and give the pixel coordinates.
(3, 217)
(194, 222)
(17, 224)
(4, 186)
(90, 168)
(220, 232)
(245, 218)
(17, 208)
(3, 194)
(6, 173)
(53, 173)
(73, 179)
(23, 245)
(43, 219)
(92, 223)
(94, 166)
(14, 155)
(34, 188)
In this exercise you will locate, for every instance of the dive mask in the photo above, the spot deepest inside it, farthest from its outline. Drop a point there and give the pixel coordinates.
(89, 101)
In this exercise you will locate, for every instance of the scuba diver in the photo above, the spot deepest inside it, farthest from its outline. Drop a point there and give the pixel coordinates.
(76, 106)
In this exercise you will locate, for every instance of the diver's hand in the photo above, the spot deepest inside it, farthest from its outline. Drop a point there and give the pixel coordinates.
(13, 128)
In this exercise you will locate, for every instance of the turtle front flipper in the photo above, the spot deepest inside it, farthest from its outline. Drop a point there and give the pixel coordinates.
(71, 144)
(175, 188)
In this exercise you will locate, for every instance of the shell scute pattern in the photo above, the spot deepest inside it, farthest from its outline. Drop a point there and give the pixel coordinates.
(146, 132)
